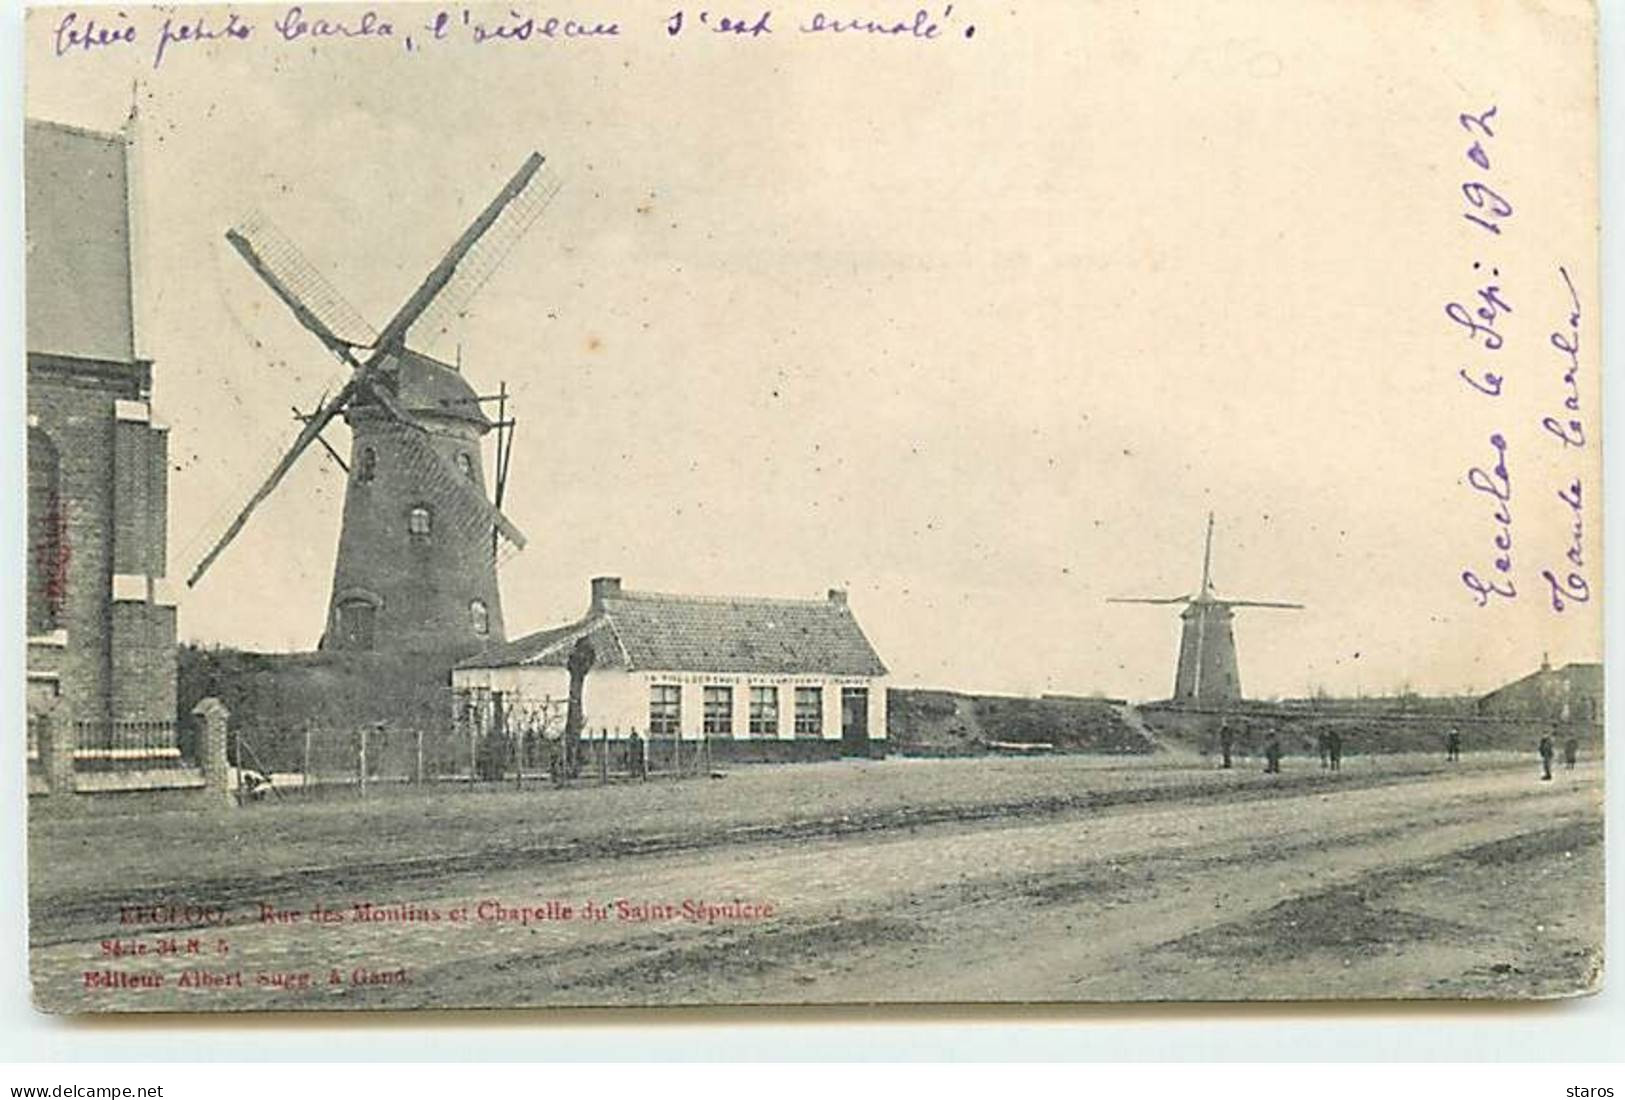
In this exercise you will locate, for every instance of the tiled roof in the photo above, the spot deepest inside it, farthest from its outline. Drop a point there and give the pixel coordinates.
(538, 648)
(645, 630)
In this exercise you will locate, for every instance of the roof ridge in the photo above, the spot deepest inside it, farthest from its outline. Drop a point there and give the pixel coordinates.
(569, 634)
(778, 601)
(620, 642)
(109, 136)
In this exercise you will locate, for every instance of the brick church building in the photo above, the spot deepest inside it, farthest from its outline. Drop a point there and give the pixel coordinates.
(100, 617)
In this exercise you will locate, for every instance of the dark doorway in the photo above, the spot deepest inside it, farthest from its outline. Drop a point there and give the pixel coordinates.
(855, 721)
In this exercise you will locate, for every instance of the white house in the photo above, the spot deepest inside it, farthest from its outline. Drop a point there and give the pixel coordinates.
(770, 679)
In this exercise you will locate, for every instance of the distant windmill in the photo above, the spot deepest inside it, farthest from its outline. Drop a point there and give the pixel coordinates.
(416, 564)
(1207, 670)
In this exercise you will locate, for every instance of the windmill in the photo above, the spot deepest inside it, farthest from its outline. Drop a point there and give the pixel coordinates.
(416, 563)
(1207, 670)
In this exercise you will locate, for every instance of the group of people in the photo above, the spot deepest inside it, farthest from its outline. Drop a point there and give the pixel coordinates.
(1329, 742)
(1548, 746)
(1272, 750)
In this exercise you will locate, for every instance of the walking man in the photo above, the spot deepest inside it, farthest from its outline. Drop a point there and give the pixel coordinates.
(1452, 745)
(1334, 750)
(1227, 743)
(1546, 756)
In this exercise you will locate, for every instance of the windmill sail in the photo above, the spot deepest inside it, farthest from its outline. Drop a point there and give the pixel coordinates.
(483, 259)
(313, 427)
(431, 470)
(326, 314)
(302, 288)
(445, 271)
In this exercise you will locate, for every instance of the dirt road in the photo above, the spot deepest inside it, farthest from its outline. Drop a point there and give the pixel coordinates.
(1486, 883)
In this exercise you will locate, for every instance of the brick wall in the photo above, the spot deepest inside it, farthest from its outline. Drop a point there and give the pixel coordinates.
(142, 640)
(119, 658)
(132, 528)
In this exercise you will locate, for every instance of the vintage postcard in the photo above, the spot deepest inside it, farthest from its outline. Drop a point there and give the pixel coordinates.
(598, 503)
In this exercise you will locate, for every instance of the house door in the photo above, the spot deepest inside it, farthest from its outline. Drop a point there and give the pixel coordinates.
(855, 721)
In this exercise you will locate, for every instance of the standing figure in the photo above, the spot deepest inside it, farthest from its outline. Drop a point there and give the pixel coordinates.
(1272, 753)
(1323, 743)
(1227, 743)
(1571, 751)
(1334, 750)
(638, 763)
(1546, 748)
(1452, 744)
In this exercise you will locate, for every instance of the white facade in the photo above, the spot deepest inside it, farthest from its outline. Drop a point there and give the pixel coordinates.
(618, 702)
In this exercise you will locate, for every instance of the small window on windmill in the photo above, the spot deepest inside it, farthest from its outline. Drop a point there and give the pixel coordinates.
(366, 468)
(419, 523)
(480, 616)
(465, 464)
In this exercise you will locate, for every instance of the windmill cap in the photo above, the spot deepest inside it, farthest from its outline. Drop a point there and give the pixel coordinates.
(428, 387)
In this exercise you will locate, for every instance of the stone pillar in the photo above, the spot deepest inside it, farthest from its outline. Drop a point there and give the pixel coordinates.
(212, 716)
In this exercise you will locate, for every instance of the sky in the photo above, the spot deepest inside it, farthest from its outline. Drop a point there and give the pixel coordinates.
(979, 328)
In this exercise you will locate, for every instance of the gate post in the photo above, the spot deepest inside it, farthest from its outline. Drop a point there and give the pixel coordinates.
(212, 717)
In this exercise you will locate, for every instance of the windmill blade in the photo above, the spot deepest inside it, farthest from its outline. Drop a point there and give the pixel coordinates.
(484, 258)
(1147, 599)
(1263, 603)
(433, 467)
(394, 332)
(313, 300)
(313, 428)
(469, 510)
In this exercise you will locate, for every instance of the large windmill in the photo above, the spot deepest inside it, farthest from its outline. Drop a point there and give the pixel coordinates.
(1207, 672)
(416, 563)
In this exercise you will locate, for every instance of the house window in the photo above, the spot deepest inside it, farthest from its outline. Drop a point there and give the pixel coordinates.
(465, 464)
(764, 711)
(809, 712)
(419, 522)
(719, 709)
(480, 617)
(366, 467)
(665, 710)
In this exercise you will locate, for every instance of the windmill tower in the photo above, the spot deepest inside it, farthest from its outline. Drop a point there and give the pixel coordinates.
(1207, 673)
(416, 565)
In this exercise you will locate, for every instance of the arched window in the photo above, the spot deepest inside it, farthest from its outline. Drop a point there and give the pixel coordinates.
(47, 535)
(419, 523)
(465, 464)
(480, 616)
(366, 467)
(357, 618)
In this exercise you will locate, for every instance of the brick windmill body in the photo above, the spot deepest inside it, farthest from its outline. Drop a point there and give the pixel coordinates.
(406, 577)
(416, 567)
